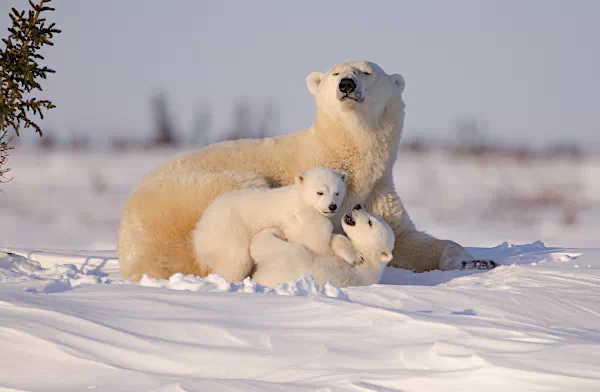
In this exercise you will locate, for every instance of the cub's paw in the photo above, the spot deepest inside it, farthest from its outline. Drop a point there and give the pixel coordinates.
(352, 258)
(478, 264)
(343, 248)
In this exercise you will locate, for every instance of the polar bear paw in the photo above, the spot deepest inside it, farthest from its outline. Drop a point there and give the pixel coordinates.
(456, 257)
(478, 264)
(351, 258)
(343, 248)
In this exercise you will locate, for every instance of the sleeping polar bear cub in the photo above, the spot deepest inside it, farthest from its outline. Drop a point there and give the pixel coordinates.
(221, 239)
(278, 261)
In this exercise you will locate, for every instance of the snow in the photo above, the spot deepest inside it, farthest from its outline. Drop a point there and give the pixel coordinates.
(530, 324)
(68, 321)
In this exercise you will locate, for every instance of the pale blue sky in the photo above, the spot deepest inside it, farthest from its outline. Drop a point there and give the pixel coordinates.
(528, 67)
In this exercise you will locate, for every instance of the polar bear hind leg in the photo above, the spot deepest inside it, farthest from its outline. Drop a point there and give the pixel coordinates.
(155, 234)
(227, 254)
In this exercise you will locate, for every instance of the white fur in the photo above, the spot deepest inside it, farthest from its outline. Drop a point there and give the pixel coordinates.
(360, 137)
(374, 90)
(278, 261)
(222, 235)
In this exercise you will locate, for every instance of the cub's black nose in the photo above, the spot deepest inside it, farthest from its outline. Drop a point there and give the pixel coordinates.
(332, 207)
(357, 207)
(347, 85)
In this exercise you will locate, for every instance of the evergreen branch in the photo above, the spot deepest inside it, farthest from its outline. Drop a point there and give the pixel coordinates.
(20, 71)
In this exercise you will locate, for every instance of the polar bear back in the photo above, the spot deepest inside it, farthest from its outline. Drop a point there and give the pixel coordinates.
(255, 209)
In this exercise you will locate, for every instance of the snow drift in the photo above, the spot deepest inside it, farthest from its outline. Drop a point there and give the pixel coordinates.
(70, 323)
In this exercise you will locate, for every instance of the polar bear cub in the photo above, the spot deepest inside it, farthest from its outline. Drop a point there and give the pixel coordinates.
(222, 236)
(278, 261)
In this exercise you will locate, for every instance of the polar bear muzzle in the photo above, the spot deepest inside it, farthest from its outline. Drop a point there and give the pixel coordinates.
(347, 90)
(347, 86)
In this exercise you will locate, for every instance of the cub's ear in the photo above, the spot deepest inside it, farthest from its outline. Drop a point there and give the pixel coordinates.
(344, 176)
(386, 256)
(313, 80)
(299, 179)
(398, 81)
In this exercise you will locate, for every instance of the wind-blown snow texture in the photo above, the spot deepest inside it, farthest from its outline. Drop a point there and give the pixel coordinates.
(69, 322)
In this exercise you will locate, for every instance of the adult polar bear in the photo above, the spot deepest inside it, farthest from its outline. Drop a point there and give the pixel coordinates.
(359, 120)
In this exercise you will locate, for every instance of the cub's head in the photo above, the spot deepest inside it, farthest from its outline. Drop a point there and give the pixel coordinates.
(369, 234)
(322, 188)
(359, 87)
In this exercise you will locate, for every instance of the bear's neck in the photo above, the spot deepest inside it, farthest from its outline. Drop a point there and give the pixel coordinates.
(367, 151)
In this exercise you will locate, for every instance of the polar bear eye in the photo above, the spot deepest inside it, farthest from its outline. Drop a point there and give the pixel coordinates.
(337, 193)
(370, 223)
(336, 74)
(367, 73)
(320, 193)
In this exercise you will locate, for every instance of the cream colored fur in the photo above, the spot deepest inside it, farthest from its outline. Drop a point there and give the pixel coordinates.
(221, 239)
(361, 138)
(279, 261)
(314, 231)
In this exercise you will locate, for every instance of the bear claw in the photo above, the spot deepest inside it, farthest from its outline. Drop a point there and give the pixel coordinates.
(479, 264)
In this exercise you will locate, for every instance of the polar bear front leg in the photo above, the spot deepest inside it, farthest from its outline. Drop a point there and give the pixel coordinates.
(416, 250)
(342, 247)
(420, 252)
(308, 227)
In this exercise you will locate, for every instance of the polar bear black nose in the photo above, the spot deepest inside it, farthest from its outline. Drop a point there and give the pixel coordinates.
(347, 85)
(332, 207)
(357, 207)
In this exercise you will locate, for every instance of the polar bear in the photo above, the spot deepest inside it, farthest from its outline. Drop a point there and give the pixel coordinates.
(279, 261)
(221, 239)
(357, 129)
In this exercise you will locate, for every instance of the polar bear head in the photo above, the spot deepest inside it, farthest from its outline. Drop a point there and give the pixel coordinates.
(370, 235)
(359, 88)
(322, 188)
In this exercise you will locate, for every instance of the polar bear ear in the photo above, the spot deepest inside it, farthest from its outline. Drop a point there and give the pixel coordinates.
(344, 176)
(313, 80)
(299, 179)
(398, 81)
(386, 256)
